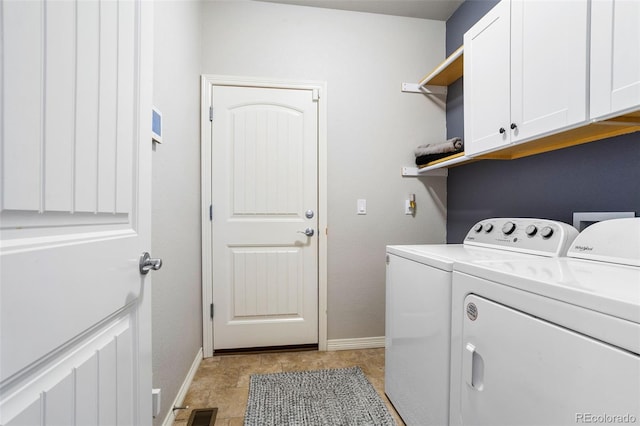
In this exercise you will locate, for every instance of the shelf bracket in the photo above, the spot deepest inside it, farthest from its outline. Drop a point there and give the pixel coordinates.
(414, 172)
(426, 90)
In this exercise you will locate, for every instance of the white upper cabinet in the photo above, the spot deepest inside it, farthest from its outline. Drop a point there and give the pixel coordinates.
(525, 73)
(487, 102)
(615, 57)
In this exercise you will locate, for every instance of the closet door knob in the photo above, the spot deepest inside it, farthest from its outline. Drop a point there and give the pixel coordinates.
(147, 264)
(513, 126)
(501, 130)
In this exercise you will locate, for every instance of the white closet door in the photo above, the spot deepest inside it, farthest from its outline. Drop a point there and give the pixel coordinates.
(264, 181)
(75, 212)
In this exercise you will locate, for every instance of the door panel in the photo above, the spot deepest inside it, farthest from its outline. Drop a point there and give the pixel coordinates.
(549, 67)
(521, 370)
(264, 179)
(75, 208)
(625, 67)
(487, 75)
(615, 56)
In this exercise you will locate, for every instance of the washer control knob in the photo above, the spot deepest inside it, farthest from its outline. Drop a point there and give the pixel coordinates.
(508, 228)
(531, 230)
(488, 228)
(546, 232)
(478, 227)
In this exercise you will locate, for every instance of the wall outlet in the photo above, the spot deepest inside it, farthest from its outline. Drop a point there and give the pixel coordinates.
(155, 398)
(408, 210)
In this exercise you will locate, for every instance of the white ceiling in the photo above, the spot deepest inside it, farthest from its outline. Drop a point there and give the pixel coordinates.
(439, 10)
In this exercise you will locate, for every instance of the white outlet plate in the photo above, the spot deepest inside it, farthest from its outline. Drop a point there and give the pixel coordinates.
(407, 207)
(155, 398)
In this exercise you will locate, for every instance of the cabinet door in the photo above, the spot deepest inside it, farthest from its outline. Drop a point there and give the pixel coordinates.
(486, 81)
(548, 66)
(615, 57)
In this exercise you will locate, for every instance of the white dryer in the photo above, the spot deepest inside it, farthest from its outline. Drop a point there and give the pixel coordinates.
(550, 341)
(418, 306)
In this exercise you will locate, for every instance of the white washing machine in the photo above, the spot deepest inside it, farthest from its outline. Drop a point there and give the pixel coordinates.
(550, 341)
(418, 307)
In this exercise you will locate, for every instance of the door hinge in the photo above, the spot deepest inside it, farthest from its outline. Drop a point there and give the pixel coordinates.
(211, 311)
(211, 113)
(315, 94)
(211, 212)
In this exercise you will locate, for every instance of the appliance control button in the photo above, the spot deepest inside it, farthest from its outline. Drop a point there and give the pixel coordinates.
(478, 227)
(546, 232)
(531, 230)
(508, 228)
(488, 228)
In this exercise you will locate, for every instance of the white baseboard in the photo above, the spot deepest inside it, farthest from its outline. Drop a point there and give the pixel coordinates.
(357, 343)
(182, 393)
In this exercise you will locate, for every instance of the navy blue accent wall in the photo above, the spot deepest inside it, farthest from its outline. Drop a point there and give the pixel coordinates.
(597, 176)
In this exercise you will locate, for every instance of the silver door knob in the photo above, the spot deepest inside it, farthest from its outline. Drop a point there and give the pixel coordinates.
(308, 232)
(147, 263)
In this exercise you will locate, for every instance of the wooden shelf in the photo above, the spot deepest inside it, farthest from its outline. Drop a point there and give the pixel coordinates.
(438, 167)
(452, 69)
(447, 72)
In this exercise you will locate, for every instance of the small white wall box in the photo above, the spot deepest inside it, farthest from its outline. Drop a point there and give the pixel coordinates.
(156, 125)
(583, 219)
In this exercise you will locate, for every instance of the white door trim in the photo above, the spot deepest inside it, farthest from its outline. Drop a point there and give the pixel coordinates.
(205, 140)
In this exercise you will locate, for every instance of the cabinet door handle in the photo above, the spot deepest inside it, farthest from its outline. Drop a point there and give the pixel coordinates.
(513, 126)
(502, 130)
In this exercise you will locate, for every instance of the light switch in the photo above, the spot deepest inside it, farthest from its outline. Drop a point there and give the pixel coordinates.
(362, 206)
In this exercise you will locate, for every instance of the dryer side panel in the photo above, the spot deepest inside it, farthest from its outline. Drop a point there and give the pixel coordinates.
(418, 323)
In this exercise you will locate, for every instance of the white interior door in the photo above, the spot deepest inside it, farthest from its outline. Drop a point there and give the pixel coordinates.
(75, 211)
(265, 195)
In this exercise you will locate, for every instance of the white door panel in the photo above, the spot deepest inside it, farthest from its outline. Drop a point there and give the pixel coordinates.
(487, 74)
(625, 79)
(615, 57)
(264, 179)
(548, 67)
(74, 211)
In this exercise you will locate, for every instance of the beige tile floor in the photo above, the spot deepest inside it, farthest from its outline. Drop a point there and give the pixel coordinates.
(223, 381)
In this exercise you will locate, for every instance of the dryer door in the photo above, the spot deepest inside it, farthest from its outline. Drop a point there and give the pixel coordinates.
(520, 370)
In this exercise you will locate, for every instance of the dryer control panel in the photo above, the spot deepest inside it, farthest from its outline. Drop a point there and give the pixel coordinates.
(525, 235)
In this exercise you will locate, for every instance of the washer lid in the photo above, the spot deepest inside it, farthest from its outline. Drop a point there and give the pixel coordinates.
(615, 241)
(442, 256)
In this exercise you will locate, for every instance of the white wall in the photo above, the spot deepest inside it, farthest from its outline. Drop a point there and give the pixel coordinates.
(177, 320)
(372, 129)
